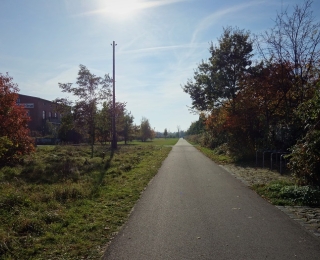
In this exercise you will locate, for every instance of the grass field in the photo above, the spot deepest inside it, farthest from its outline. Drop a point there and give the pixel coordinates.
(60, 204)
(156, 141)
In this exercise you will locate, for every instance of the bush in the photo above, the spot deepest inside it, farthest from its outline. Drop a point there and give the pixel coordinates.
(14, 133)
(284, 193)
(195, 139)
(301, 195)
(305, 159)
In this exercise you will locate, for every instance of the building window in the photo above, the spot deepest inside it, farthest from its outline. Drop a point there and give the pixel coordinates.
(55, 115)
(49, 114)
(43, 114)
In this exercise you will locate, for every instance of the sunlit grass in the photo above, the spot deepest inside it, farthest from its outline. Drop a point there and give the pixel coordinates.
(213, 155)
(286, 193)
(60, 204)
(156, 141)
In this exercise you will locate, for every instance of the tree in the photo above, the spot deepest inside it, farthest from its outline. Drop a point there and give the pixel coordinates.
(145, 130)
(124, 122)
(265, 105)
(136, 133)
(14, 133)
(128, 129)
(305, 156)
(120, 112)
(91, 91)
(197, 127)
(294, 39)
(179, 130)
(165, 133)
(217, 79)
(67, 131)
(104, 123)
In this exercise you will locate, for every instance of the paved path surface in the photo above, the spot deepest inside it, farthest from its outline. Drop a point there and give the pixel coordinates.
(194, 209)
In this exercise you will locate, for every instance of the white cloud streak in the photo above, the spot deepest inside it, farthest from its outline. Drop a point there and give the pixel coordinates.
(158, 49)
(213, 18)
(139, 5)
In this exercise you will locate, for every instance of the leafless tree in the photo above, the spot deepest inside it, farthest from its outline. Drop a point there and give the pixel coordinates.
(294, 39)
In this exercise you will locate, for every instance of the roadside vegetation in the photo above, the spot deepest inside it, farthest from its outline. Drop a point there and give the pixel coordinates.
(288, 193)
(261, 93)
(279, 189)
(60, 203)
(67, 201)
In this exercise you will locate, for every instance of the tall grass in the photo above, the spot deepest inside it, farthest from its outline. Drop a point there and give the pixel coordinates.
(60, 204)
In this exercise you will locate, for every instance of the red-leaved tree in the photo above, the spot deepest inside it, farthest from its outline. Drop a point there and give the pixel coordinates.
(14, 133)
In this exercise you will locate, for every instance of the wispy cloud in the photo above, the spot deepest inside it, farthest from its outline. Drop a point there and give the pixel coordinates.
(136, 5)
(158, 48)
(217, 16)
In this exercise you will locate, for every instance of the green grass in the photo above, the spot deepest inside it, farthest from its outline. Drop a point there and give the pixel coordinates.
(156, 141)
(60, 204)
(279, 192)
(215, 156)
(285, 193)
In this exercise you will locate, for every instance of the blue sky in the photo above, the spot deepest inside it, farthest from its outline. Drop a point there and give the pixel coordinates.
(159, 44)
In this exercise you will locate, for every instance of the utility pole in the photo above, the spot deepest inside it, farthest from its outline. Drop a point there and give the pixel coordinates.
(114, 136)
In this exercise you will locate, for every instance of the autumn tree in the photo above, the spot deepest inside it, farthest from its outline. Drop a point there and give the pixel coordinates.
(294, 39)
(266, 103)
(217, 79)
(91, 91)
(14, 132)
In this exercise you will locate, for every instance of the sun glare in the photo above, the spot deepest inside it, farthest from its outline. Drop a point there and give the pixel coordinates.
(122, 8)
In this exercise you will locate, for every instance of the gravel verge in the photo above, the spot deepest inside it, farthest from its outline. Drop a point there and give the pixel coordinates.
(308, 217)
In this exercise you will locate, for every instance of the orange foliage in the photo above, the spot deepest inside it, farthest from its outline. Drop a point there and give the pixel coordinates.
(14, 132)
(263, 100)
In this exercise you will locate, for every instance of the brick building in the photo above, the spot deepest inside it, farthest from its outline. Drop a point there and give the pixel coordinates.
(40, 111)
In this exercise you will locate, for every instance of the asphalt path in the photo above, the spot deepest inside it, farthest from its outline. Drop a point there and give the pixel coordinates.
(194, 209)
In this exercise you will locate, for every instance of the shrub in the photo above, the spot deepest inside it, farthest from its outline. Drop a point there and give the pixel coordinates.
(14, 133)
(301, 195)
(305, 159)
(284, 193)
